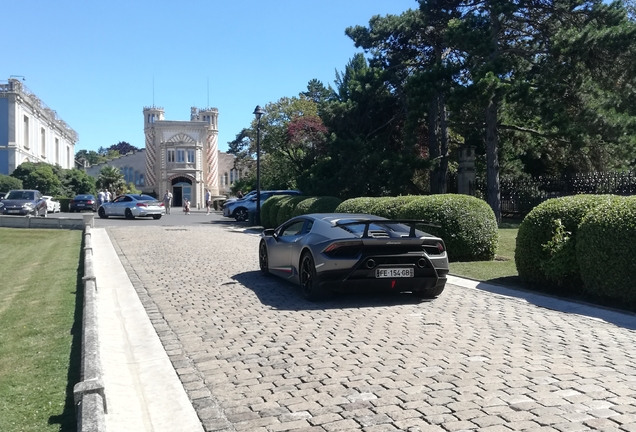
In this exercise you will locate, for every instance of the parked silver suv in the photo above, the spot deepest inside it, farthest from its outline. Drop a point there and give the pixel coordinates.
(240, 209)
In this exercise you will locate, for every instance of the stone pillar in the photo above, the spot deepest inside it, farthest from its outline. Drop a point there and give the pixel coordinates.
(466, 171)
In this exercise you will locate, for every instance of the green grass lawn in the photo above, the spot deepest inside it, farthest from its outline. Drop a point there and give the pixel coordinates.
(502, 269)
(39, 346)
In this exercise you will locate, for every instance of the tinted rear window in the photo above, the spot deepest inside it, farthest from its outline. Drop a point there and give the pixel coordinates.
(359, 228)
(143, 198)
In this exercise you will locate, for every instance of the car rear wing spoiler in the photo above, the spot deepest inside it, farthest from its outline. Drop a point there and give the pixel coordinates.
(366, 222)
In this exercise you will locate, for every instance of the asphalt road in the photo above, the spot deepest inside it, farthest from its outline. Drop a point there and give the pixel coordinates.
(254, 356)
(176, 218)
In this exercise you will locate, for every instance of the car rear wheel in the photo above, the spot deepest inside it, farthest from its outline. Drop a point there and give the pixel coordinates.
(128, 213)
(102, 213)
(263, 259)
(156, 217)
(309, 283)
(240, 215)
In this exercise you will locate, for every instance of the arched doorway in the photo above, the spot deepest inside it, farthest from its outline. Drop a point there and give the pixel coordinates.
(181, 188)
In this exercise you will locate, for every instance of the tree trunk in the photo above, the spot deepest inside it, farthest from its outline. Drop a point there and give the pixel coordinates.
(433, 145)
(492, 158)
(442, 168)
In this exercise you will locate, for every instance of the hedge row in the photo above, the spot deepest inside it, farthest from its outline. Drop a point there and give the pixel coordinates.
(581, 243)
(280, 208)
(468, 225)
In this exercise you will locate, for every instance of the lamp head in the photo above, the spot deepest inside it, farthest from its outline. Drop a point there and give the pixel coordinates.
(258, 112)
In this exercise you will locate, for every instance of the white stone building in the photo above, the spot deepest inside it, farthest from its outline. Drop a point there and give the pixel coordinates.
(30, 131)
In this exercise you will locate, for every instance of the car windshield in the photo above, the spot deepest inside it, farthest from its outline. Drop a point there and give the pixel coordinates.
(21, 195)
(84, 197)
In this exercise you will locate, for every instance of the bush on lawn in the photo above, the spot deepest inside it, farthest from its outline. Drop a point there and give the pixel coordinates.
(546, 242)
(269, 211)
(389, 207)
(468, 224)
(325, 204)
(606, 250)
(287, 207)
(356, 205)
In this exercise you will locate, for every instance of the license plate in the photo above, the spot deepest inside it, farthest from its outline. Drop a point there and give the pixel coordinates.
(80, 205)
(394, 273)
(13, 211)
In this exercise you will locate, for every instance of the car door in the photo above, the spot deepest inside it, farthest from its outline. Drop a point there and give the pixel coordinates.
(120, 204)
(282, 250)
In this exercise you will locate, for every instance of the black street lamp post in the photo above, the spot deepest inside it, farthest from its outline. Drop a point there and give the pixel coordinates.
(258, 112)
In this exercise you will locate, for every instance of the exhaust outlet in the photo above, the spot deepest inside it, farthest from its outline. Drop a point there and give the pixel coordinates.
(370, 264)
(421, 262)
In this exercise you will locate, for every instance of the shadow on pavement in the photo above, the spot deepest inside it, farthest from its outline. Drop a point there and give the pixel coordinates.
(280, 294)
(513, 287)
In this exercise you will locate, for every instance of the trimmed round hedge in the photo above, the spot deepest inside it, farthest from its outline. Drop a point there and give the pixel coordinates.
(356, 205)
(606, 250)
(468, 224)
(546, 242)
(269, 211)
(389, 207)
(286, 208)
(325, 204)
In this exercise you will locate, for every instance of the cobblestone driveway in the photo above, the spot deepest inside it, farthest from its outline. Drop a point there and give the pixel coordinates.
(254, 356)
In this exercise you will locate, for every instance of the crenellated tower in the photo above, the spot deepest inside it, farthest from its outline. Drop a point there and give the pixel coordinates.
(151, 115)
(211, 166)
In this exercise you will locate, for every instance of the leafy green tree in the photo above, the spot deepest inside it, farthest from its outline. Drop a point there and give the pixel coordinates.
(8, 183)
(111, 179)
(77, 182)
(39, 176)
(365, 154)
(412, 49)
(122, 148)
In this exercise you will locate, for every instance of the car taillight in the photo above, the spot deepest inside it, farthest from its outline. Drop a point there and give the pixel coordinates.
(89, 202)
(440, 247)
(142, 205)
(343, 249)
(160, 204)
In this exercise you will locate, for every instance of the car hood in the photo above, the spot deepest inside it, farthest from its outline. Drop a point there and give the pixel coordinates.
(16, 202)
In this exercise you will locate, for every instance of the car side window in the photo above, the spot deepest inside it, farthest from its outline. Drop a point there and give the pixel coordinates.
(120, 199)
(292, 229)
(308, 227)
(127, 198)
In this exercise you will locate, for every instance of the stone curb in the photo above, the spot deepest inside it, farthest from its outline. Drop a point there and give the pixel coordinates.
(89, 393)
(50, 223)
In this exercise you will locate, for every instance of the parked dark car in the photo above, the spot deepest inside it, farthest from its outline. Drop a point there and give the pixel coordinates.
(23, 202)
(326, 252)
(82, 203)
(240, 209)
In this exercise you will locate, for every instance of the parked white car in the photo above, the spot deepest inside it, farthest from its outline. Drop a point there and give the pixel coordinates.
(52, 206)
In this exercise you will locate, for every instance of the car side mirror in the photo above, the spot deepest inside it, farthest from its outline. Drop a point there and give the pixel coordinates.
(253, 199)
(270, 232)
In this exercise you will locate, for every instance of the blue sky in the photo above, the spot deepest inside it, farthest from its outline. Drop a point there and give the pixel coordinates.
(94, 62)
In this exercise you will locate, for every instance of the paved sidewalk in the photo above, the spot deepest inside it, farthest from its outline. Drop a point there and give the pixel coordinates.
(143, 392)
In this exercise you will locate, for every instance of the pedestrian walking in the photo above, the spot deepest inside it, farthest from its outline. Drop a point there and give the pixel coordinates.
(101, 197)
(109, 196)
(167, 201)
(208, 200)
(186, 206)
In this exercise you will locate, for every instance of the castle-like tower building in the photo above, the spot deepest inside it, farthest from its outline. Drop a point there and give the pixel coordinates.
(182, 156)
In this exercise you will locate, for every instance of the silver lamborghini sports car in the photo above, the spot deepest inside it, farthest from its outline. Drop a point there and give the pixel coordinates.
(326, 252)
